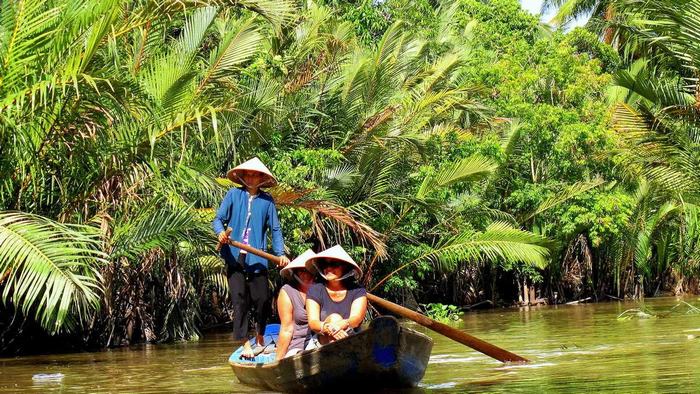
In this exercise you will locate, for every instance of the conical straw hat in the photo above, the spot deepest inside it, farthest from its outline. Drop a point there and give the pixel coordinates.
(299, 262)
(335, 253)
(253, 164)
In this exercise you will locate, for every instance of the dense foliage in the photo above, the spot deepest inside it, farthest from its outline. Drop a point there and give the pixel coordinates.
(462, 152)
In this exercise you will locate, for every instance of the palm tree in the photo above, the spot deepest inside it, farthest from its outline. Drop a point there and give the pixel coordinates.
(656, 114)
(600, 12)
(658, 117)
(569, 10)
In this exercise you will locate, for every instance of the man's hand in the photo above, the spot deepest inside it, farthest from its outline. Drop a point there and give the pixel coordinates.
(223, 238)
(283, 261)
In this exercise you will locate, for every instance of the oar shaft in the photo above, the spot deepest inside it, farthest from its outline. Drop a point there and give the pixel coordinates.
(255, 251)
(452, 333)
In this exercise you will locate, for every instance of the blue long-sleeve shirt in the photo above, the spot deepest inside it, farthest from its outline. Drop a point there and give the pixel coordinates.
(233, 213)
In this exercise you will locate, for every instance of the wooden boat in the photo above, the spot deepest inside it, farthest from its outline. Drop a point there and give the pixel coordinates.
(385, 355)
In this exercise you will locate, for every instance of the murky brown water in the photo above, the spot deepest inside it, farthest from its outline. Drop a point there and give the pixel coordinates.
(573, 348)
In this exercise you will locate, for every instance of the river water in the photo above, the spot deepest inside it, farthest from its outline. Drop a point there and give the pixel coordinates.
(573, 348)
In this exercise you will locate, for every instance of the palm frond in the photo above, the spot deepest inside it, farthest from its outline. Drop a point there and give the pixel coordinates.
(237, 45)
(499, 242)
(27, 26)
(169, 79)
(644, 243)
(568, 193)
(51, 270)
(278, 12)
(331, 219)
(155, 225)
(469, 168)
(666, 156)
(213, 272)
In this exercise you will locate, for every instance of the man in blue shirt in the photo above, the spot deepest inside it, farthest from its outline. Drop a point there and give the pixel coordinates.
(250, 213)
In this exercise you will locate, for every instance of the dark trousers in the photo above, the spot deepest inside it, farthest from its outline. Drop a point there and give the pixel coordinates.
(248, 290)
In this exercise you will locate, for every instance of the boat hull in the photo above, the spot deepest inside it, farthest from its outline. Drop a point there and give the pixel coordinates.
(385, 355)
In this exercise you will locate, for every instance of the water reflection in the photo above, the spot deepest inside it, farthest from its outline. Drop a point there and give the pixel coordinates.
(573, 348)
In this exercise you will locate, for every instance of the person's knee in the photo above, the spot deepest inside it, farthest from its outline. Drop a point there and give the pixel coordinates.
(239, 302)
(332, 318)
(261, 301)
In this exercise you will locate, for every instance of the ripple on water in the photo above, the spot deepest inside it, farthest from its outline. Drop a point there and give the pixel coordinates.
(571, 351)
(506, 367)
(214, 368)
(446, 385)
(451, 358)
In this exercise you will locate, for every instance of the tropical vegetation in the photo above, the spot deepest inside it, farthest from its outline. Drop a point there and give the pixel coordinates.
(462, 150)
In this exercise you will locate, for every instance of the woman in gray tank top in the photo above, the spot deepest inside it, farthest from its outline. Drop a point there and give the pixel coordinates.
(337, 306)
(294, 328)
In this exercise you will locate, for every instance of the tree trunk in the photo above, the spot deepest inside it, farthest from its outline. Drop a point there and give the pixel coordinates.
(609, 34)
(526, 292)
(520, 290)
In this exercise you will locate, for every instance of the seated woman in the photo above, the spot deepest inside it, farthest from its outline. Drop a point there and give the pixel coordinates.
(294, 330)
(338, 305)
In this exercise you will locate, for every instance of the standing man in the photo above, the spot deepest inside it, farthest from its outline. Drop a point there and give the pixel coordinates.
(249, 212)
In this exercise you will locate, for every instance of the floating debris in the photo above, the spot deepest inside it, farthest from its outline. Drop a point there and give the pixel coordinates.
(634, 314)
(48, 377)
(644, 313)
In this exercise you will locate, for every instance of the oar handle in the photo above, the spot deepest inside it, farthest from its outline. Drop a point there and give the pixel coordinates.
(450, 332)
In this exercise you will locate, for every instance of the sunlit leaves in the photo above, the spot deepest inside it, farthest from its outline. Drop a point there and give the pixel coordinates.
(50, 270)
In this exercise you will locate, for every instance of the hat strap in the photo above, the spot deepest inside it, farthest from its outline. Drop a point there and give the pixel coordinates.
(261, 184)
(295, 276)
(347, 275)
(240, 178)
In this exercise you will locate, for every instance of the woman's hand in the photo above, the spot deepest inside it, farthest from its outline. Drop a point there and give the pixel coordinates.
(340, 334)
(343, 324)
(337, 330)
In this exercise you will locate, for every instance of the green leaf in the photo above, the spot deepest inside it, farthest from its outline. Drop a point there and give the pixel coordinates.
(51, 269)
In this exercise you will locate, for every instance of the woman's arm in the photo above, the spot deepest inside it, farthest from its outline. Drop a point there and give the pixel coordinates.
(286, 311)
(313, 313)
(358, 309)
(357, 312)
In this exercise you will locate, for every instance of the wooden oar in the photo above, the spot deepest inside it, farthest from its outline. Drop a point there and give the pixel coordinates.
(443, 329)
(452, 333)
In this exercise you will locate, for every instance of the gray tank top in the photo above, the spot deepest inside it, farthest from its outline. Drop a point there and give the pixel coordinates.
(301, 324)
